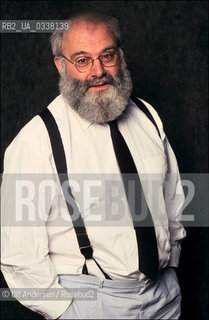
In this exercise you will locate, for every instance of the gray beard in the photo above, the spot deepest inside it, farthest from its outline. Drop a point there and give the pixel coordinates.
(98, 107)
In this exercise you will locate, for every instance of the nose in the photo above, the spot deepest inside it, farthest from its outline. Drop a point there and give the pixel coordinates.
(97, 69)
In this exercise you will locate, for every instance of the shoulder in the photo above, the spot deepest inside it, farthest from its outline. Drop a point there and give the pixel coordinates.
(32, 141)
(35, 130)
(153, 112)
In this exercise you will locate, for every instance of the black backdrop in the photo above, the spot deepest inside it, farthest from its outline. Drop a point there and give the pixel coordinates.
(165, 43)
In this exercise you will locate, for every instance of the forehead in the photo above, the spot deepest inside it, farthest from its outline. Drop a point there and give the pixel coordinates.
(85, 36)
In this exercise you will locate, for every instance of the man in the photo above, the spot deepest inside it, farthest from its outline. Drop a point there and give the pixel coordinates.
(95, 102)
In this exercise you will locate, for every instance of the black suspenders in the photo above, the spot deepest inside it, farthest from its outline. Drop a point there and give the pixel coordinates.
(61, 166)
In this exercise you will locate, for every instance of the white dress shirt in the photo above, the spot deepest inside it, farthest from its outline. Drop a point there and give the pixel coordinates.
(33, 256)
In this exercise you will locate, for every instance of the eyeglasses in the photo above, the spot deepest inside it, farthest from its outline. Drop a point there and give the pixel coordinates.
(84, 64)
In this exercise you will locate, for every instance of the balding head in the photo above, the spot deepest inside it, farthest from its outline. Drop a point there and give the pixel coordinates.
(90, 18)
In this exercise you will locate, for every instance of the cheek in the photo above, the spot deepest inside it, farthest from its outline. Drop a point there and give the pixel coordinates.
(73, 73)
(113, 71)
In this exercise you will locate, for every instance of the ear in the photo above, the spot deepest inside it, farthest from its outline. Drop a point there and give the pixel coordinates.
(57, 64)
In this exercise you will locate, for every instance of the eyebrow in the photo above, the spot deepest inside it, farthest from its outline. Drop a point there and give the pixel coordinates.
(84, 52)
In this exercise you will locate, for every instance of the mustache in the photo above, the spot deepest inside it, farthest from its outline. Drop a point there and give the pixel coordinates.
(105, 79)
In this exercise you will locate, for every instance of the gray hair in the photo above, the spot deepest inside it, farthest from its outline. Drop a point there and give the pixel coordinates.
(92, 17)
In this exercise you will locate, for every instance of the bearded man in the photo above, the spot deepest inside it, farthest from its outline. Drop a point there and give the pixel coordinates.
(130, 269)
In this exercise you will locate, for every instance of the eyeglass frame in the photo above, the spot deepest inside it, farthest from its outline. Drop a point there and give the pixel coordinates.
(92, 61)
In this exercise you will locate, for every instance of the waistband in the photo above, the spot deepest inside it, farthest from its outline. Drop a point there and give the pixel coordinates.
(93, 280)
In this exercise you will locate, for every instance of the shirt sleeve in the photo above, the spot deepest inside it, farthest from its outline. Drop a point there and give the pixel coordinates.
(25, 258)
(173, 194)
(174, 200)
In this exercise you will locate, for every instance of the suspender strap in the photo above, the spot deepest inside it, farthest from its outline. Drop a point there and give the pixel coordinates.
(61, 166)
(144, 109)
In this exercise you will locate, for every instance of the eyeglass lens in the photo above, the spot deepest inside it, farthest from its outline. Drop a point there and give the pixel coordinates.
(108, 59)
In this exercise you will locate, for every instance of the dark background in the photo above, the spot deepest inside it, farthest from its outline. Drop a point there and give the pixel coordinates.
(165, 43)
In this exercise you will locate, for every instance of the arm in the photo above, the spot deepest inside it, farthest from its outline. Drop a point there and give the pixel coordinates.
(173, 194)
(174, 199)
(25, 256)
